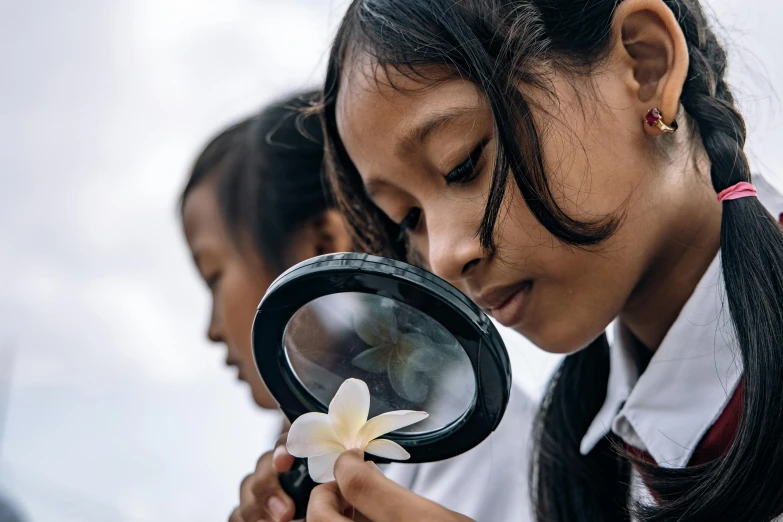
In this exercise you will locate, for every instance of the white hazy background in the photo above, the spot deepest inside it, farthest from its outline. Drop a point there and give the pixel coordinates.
(113, 406)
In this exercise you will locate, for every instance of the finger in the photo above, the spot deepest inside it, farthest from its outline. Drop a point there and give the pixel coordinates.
(245, 489)
(266, 480)
(281, 459)
(327, 505)
(279, 507)
(266, 507)
(263, 462)
(265, 468)
(265, 494)
(236, 516)
(249, 507)
(364, 487)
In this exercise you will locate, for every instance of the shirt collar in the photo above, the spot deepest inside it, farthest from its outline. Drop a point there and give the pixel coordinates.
(691, 377)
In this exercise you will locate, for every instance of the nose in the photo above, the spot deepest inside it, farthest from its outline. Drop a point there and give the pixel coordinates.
(454, 249)
(215, 330)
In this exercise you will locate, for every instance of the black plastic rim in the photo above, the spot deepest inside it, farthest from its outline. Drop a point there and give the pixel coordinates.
(350, 272)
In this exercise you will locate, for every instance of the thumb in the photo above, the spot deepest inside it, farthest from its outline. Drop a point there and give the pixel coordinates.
(378, 498)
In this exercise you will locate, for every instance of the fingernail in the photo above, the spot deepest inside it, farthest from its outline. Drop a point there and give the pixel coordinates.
(280, 451)
(276, 507)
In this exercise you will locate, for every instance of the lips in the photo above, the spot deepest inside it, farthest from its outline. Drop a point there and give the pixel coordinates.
(498, 297)
(235, 364)
(505, 304)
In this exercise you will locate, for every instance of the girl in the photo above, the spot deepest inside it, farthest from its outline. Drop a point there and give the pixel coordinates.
(567, 163)
(255, 205)
(243, 229)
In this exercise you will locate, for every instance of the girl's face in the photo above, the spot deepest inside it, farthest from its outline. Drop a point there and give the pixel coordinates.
(238, 277)
(237, 281)
(413, 146)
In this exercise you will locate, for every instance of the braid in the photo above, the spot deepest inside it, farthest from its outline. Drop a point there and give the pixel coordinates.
(743, 485)
(707, 98)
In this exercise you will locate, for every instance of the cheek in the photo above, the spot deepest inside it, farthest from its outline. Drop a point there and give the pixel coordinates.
(595, 153)
(577, 293)
(240, 300)
(577, 304)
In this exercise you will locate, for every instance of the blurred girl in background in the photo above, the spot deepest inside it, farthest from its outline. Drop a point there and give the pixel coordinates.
(253, 206)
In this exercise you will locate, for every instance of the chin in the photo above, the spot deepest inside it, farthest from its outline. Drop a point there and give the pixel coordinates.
(263, 398)
(558, 338)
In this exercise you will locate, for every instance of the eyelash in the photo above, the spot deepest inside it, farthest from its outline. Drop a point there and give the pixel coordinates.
(466, 171)
(212, 281)
(463, 173)
(409, 222)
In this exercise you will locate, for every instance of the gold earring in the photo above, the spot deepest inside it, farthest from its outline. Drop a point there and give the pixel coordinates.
(654, 119)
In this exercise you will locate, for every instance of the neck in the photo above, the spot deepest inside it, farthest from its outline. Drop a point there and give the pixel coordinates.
(688, 245)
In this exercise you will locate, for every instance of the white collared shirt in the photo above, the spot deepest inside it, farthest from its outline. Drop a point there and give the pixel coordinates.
(667, 410)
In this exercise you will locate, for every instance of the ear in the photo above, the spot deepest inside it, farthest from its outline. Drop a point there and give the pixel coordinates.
(654, 53)
(327, 233)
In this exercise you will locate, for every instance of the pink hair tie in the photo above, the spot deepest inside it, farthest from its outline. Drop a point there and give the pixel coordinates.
(740, 190)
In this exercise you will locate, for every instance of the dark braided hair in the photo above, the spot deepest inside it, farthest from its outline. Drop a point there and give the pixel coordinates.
(492, 43)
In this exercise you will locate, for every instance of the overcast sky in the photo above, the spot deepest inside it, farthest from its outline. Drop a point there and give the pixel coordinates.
(118, 407)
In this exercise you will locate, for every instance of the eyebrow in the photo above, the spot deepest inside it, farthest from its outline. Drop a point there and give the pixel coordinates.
(419, 135)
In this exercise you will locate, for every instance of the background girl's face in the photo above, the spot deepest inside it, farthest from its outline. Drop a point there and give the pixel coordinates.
(237, 281)
(414, 144)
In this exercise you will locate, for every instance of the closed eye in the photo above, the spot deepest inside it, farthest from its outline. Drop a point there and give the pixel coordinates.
(212, 280)
(466, 171)
(409, 222)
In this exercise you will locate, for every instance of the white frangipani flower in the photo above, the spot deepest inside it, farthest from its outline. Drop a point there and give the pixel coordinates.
(321, 437)
(407, 354)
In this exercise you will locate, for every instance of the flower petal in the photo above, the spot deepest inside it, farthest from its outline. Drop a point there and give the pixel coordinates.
(377, 324)
(388, 422)
(409, 384)
(349, 409)
(373, 360)
(434, 332)
(387, 449)
(311, 435)
(321, 468)
(425, 356)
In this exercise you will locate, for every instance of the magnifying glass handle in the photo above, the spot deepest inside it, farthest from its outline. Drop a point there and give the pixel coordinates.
(297, 484)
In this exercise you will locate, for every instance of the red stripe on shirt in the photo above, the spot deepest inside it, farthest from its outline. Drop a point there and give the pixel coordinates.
(714, 444)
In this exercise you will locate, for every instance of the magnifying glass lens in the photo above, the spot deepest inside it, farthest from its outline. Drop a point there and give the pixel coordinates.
(408, 360)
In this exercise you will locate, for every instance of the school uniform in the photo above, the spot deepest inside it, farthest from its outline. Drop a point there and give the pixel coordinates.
(684, 408)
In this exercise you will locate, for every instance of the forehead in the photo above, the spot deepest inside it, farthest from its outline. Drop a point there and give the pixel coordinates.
(379, 107)
(201, 219)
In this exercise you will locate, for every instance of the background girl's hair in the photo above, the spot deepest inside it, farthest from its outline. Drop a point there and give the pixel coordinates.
(493, 43)
(268, 172)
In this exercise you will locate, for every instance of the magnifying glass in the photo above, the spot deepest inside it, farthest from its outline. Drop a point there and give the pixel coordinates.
(418, 343)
